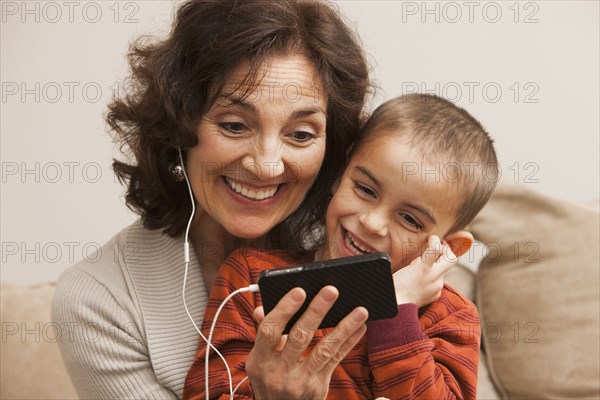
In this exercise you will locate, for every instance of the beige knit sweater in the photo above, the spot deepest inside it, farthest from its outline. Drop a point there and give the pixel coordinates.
(126, 332)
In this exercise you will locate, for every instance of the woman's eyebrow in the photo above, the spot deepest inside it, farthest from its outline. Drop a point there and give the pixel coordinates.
(230, 101)
(305, 113)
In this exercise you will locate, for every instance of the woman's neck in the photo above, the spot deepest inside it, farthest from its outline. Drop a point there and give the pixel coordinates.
(213, 244)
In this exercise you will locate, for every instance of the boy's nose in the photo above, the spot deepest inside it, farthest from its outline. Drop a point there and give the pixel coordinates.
(375, 222)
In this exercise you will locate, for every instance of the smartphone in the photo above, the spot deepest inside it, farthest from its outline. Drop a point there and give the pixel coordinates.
(364, 280)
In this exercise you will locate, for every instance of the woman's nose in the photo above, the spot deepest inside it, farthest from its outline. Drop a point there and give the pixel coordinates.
(375, 221)
(265, 160)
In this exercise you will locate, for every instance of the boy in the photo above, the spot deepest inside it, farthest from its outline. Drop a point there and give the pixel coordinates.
(421, 170)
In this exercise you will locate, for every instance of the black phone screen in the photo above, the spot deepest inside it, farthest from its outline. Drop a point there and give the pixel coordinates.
(364, 280)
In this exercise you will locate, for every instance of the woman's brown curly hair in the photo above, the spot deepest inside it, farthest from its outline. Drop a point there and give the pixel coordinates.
(174, 82)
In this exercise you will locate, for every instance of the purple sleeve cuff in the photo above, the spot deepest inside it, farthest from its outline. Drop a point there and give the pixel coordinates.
(404, 328)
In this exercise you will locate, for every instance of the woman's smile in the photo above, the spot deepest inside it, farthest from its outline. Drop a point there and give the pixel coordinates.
(251, 191)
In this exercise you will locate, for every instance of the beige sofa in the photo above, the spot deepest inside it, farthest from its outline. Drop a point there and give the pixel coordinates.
(537, 292)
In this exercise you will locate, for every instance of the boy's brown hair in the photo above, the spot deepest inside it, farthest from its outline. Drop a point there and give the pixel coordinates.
(448, 138)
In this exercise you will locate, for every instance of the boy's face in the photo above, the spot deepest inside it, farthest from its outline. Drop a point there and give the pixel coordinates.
(389, 199)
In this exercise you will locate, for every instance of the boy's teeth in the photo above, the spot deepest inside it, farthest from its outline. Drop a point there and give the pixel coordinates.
(352, 245)
(251, 193)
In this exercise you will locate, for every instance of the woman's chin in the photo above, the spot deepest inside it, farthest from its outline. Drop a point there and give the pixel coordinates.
(248, 230)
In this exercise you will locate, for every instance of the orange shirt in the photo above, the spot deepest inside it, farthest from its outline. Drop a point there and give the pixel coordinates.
(426, 353)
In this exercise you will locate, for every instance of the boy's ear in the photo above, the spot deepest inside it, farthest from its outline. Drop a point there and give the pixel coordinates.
(460, 242)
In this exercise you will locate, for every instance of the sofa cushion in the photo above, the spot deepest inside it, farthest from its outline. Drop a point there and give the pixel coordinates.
(537, 292)
(31, 366)
(462, 279)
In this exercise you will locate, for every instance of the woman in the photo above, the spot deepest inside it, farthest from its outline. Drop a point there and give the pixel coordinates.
(264, 100)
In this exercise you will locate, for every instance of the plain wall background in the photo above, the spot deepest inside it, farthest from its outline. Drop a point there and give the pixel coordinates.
(528, 70)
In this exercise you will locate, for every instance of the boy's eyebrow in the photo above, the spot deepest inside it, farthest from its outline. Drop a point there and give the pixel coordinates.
(368, 173)
(425, 212)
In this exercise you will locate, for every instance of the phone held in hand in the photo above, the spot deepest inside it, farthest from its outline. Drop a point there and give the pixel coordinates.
(364, 280)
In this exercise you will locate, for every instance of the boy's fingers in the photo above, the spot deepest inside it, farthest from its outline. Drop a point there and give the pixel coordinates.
(448, 255)
(432, 251)
(444, 262)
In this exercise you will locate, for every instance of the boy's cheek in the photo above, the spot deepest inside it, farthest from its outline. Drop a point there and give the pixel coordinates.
(397, 268)
(404, 262)
(410, 251)
(404, 254)
(341, 197)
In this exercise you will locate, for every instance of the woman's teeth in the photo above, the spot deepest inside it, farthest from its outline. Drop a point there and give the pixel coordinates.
(252, 194)
(352, 245)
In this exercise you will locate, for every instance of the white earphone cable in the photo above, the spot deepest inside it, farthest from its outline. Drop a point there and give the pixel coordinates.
(251, 288)
(186, 257)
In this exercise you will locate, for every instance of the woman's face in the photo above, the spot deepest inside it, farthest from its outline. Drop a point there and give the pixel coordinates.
(259, 154)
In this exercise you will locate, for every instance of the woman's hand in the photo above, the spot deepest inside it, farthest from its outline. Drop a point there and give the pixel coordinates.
(421, 281)
(278, 367)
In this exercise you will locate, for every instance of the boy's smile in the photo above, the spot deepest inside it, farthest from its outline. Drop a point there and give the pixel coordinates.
(380, 205)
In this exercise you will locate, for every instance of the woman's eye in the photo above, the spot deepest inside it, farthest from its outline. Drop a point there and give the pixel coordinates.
(233, 127)
(302, 136)
(411, 221)
(365, 190)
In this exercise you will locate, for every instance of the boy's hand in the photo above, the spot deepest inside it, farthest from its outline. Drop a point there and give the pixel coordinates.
(421, 281)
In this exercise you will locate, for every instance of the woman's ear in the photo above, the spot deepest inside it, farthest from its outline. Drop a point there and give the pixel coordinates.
(349, 151)
(460, 242)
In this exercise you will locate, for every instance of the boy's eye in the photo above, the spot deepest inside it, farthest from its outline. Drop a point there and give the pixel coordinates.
(233, 127)
(364, 190)
(411, 221)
